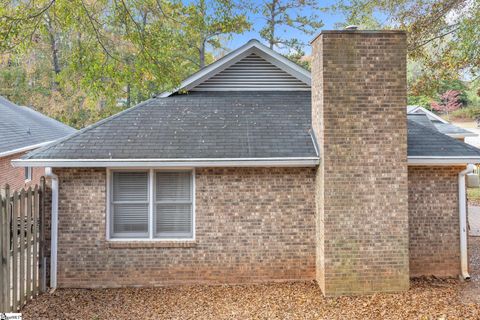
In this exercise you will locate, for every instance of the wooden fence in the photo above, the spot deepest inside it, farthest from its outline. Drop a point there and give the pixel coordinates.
(22, 246)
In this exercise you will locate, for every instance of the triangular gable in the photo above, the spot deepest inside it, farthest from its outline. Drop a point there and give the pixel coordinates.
(253, 67)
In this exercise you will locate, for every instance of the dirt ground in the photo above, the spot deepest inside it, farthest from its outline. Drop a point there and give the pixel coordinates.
(427, 299)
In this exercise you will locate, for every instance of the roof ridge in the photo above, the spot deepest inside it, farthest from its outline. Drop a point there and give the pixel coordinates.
(87, 128)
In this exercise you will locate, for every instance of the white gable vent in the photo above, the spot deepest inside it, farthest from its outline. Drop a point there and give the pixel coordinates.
(252, 73)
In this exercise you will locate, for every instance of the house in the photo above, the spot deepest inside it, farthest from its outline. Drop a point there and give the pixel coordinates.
(442, 125)
(22, 130)
(255, 170)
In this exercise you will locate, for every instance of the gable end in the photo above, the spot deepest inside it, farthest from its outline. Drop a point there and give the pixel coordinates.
(253, 72)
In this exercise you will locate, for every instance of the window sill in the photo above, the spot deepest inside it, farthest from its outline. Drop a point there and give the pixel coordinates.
(150, 244)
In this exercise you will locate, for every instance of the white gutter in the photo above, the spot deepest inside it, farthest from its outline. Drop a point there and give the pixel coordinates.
(155, 163)
(462, 211)
(54, 226)
(23, 149)
(419, 160)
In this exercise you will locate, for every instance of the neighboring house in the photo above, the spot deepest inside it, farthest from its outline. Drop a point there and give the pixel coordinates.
(22, 130)
(440, 124)
(256, 170)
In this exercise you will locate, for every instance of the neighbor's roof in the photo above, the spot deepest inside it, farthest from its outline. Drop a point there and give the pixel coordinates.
(440, 124)
(22, 128)
(198, 125)
(427, 144)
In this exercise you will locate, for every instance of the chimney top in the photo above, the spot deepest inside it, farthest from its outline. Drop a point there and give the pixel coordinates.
(351, 27)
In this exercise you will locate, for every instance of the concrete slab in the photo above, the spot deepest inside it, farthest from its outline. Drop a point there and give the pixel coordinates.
(474, 221)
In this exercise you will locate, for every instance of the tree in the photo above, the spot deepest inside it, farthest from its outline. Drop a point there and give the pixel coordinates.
(288, 14)
(207, 21)
(443, 35)
(449, 102)
(82, 60)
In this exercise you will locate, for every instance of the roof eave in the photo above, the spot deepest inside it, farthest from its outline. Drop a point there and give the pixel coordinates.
(442, 160)
(168, 163)
(24, 149)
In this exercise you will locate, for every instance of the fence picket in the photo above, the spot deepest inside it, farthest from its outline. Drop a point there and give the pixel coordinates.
(42, 258)
(7, 238)
(28, 290)
(15, 215)
(36, 203)
(22, 248)
(2, 268)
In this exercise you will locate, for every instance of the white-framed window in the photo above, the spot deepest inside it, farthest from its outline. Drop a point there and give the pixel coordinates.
(28, 173)
(151, 204)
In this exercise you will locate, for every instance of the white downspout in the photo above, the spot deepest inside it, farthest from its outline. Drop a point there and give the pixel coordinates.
(54, 240)
(462, 206)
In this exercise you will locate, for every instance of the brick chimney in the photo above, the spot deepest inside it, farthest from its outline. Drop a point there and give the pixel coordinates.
(359, 118)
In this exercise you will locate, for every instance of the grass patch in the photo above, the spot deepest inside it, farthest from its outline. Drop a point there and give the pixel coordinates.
(468, 113)
(473, 194)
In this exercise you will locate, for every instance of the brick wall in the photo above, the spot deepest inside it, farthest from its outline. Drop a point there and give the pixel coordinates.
(251, 225)
(15, 177)
(358, 112)
(433, 221)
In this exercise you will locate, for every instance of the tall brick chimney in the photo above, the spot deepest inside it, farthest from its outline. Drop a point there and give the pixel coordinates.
(359, 118)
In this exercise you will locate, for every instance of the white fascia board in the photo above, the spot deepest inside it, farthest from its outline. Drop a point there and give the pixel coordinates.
(461, 135)
(235, 56)
(168, 163)
(23, 149)
(424, 161)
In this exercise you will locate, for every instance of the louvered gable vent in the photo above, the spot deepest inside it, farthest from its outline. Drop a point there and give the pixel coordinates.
(252, 73)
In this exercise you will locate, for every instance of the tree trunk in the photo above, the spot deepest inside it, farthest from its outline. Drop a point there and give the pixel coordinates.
(271, 24)
(202, 54)
(54, 50)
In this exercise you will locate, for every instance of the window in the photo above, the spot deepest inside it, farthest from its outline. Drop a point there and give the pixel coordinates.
(28, 173)
(151, 205)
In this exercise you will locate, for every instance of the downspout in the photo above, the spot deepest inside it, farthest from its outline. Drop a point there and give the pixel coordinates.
(462, 206)
(53, 250)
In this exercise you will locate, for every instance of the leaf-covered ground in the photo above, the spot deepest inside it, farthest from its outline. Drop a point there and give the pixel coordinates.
(427, 299)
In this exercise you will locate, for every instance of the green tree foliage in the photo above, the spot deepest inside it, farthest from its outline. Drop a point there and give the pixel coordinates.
(82, 60)
(206, 21)
(443, 36)
(282, 15)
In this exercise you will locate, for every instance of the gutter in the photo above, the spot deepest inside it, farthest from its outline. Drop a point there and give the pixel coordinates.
(462, 211)
(54, 226)
(171, 163)
(27, 148)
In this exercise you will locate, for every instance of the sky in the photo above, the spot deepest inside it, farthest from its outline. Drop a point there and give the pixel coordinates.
(329, 20)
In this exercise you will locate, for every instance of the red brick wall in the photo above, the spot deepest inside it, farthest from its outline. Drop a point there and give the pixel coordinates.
(252, 225)
(15, 177)
(358, 112)
(433, 221)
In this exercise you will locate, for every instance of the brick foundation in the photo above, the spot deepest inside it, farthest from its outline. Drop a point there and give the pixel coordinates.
(252, 225)
(433, 221)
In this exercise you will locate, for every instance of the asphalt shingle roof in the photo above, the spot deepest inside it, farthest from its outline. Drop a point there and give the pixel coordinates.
(427, 142)
(223, 125)
(21, 127)
(422, 119)
(197, 125)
